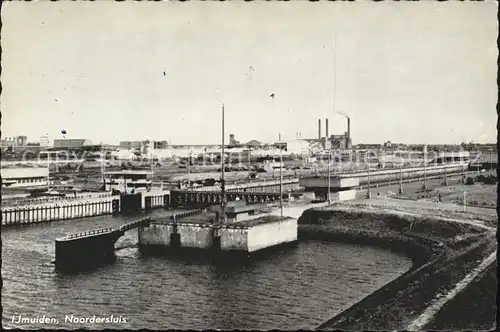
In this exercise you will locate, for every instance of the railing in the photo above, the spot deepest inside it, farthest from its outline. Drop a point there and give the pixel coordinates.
(186, 214)
(88, 233)
(133, 224)
(21, 202)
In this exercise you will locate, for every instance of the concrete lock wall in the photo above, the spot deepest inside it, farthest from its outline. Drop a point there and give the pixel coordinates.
(271, 234)
(191, 236)
(194, 236)
(234, 239)
(155, 234)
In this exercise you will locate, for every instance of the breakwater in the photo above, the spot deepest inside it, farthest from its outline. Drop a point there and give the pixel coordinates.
(442, 250)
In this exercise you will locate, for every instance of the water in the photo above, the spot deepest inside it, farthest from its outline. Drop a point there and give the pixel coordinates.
(291, 289)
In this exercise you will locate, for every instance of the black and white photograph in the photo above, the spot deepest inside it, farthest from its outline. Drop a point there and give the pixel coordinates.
(249, 165)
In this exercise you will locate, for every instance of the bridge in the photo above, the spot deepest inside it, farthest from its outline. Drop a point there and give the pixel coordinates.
(193, 197)
(90, 249)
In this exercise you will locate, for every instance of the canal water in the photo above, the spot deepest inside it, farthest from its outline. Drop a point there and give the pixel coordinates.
(290, 289)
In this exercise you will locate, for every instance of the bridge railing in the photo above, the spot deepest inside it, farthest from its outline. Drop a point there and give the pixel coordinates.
(186, 214)
(134, 224)
(88, 233)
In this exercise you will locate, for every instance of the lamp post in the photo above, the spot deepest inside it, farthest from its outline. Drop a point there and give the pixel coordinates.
(281, 184)
(189, 170)
(368, 194)
(491, 161)
(103, 159)
(400, 178)
(424, 187)
(48, 171)
(329, 162)
(223, 185)
(477, 160)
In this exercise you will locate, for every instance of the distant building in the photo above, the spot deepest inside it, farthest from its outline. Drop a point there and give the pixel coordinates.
(128, 181)
(254, 144)
(131, 144)
(337, 141)
(21, 140)
(144, 145)
(233, 141)
(160, 145)
(67, 144)
(12, 142)
(22, 177)
(44, 141)
(294, 146)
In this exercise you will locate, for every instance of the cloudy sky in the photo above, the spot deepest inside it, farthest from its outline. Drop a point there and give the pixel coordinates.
(406, 72)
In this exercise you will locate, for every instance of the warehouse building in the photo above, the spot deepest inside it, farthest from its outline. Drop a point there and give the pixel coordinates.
(71, 144)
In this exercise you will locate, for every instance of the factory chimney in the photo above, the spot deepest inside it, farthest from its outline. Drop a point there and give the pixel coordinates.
(348, 133)
(326, 133)
(319, 128)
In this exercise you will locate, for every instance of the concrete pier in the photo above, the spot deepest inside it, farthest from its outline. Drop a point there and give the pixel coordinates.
(85, 251)
(257, 234)
(246, 236)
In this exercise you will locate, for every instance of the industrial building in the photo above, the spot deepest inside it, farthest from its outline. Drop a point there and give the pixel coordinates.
(71, 144)
(12, 142)
(131, 144)
(128, 181)
(24, 177)
(297, 146)
(233, 141)
(160, 145)
(341, 142)
(254, 144)
(146, 144)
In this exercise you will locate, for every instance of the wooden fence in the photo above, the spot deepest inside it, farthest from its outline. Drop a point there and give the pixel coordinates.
(60, 211)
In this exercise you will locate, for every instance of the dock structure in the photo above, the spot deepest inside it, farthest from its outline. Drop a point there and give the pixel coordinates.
(41, 211)
(246, 231)
(228, 231)
(86, 250)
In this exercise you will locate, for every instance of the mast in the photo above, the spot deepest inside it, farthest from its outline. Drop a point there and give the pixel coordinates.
(334, 72)
(281, 183)
(223, 184)
(48, 170)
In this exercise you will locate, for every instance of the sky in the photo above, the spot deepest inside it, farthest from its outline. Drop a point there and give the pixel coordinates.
(418, 72)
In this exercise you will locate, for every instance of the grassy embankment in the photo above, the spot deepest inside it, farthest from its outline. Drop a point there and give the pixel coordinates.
(443, 252)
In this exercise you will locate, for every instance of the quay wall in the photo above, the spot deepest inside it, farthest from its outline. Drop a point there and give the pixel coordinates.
(195, 236)
(272, 234)
(155, 234)
(233, 238)
(191, 235)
